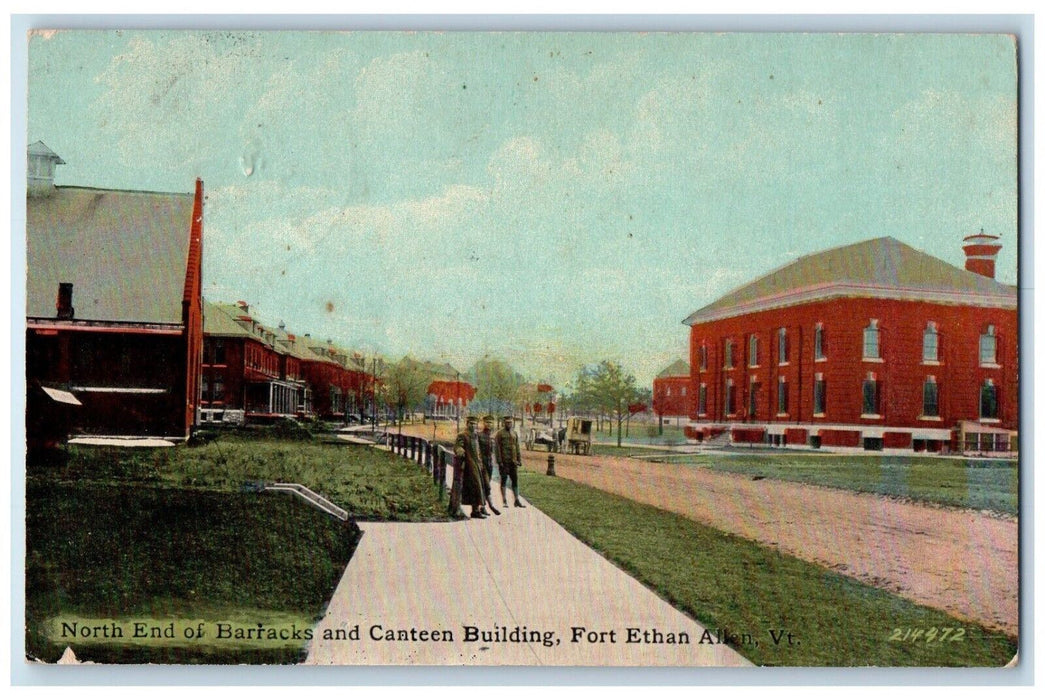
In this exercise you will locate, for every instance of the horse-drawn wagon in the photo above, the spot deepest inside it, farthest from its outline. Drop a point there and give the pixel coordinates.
(578, 435)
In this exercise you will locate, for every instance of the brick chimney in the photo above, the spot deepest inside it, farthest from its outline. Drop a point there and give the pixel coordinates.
(981, 250)
(64, 303)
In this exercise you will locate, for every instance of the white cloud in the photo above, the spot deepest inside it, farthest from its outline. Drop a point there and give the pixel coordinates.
(390, 92)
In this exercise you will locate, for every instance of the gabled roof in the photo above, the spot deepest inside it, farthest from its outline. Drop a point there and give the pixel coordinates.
(126, 253)
(39, 148)
(881, 268)
(220, 320)
(299, 348)
(678, 368)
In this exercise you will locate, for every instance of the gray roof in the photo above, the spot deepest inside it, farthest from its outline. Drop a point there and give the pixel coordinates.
(39, 148)
(881, 267)
(220, 320)
(678, 368)
(125, 253)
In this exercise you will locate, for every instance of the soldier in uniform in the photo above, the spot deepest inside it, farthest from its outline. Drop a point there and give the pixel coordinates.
(473, 480)
(508, 460)
(486, 452)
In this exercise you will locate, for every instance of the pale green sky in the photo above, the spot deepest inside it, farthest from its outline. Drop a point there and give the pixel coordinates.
(552, 199)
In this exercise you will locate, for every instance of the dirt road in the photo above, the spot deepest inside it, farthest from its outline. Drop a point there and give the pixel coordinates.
(964, 562)
(961, 561)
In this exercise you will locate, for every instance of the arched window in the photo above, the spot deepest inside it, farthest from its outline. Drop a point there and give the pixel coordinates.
(781, 346)
(930, 398)
(989, 347)
(870, 395)
(702, 400)
(872, 346)
(819, 395)
(752, 351)
(819, 343)
(781, 395)
(930, 344)
(702, 357)
(988, 400)
(729, 354)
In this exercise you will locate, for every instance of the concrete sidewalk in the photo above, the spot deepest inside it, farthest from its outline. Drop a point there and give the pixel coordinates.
(514, 589)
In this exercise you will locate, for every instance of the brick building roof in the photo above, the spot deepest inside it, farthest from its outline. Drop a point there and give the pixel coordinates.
(126, 253)
(881, 267)
(220, 320)
(678, 368)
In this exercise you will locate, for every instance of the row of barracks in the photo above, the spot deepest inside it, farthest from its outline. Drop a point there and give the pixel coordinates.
(119, 340)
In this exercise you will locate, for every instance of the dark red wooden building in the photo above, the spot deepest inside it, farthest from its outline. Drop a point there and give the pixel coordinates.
(113, 308)
(869, 346)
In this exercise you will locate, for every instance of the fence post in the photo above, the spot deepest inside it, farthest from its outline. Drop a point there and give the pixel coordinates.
(551, 464)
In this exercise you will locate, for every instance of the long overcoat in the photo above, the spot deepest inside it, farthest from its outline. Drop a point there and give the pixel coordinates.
(473, 482)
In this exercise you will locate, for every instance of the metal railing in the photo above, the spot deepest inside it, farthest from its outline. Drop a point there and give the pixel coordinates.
(311, 497)
(430, 455)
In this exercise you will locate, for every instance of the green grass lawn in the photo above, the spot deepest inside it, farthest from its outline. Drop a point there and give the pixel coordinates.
(625, 451)
(368, 483)
(160, 555)
(991, 485)
(169, 538)
(724, 581)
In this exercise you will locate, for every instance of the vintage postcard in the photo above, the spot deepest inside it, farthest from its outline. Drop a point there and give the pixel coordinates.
(620, 349)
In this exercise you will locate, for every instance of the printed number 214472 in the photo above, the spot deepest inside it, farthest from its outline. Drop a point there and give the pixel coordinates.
(927, 636)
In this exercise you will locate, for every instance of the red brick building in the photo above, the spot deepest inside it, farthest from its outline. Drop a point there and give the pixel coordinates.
(448, 398)
(672, 396)
(869, 346)
(255, 373)
(341, 386)
(113, 308)
(250, 371)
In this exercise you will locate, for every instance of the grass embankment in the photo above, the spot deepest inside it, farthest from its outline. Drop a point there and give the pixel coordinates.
(169, 539)
(123, 554)
(991, 485)
(369, 484)
(727, 582)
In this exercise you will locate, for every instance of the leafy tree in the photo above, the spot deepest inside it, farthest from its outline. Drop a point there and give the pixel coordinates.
(496, 386)
(608, 389)
(405, 386)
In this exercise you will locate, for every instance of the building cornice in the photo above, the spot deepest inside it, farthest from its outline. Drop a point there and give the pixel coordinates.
(825, 292)
(50, 324)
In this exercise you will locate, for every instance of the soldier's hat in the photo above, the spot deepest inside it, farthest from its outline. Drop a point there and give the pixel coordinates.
(507, 418)
(488, 417)
(471, 419)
